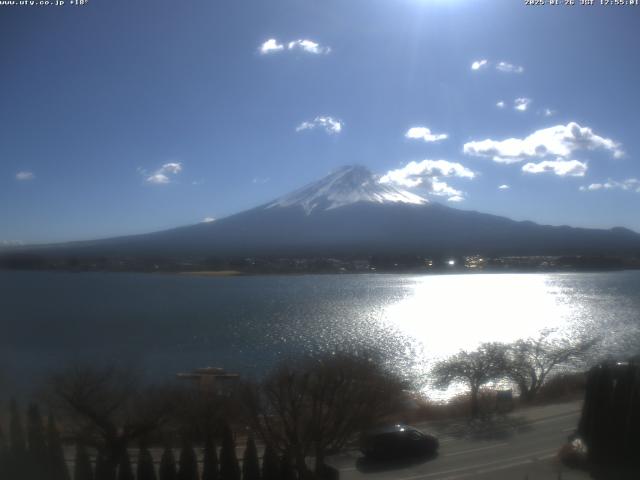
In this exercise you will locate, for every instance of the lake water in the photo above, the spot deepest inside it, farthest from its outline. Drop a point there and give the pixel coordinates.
(170, 323)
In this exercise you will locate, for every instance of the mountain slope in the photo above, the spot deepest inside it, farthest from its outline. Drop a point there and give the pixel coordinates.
(346, 186)
(350, 213)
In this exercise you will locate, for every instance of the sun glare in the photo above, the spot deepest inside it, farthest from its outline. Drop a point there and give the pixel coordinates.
(449, 313)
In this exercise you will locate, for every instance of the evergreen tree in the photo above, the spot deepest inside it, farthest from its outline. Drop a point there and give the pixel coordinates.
(102, 471)
(146, 470)
(57, 465)
(286, 467)
(82, 468)
(188, 464)
(16, 432)
(270, 466)
(108, 467)
(210, 461)
(37, 451)
(229, 468)
(250, 464)
(125, 471)
(168, 465)
(16, 462)
(4, 456)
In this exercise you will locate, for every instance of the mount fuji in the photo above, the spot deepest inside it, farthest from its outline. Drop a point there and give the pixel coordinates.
(346, 186)
(350, 213)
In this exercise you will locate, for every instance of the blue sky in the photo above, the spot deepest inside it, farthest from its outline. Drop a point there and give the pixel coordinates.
(122, 116)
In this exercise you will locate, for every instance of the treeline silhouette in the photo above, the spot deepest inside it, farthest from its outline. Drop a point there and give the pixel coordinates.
(33, 453)
(37, 453)
(398, 262)
(304, 409)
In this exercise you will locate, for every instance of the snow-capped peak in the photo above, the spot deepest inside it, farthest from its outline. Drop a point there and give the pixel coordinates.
(345, 186)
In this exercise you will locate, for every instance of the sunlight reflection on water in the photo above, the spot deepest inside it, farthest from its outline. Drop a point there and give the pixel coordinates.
(446, 314)
(449, 313)
(248, 324)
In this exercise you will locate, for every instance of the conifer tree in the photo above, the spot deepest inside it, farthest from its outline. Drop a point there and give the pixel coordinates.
(229, 468)
(56, 464)
(125, 471)
(145, 470)
(4, 455)
(16, 432)
(168, 465)
(37, 450)
(102, 471)
(250, 464)
(188, 463)
(270, 465)
(210, 461)
(286, 467)
(82, 468)
(16, 462)
(109, 470)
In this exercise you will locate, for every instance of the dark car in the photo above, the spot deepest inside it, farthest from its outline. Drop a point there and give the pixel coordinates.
(397, 441)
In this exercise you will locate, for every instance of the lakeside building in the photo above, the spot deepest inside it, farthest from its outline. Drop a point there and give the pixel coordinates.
(212, 379)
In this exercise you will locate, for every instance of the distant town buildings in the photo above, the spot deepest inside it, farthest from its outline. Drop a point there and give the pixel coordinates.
(410, 263)
(474, 262)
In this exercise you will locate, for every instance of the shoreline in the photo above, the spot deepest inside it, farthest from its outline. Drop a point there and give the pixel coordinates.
(235, 273)
(208, 273)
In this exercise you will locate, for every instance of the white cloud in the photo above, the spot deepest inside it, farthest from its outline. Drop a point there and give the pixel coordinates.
(593, 186)
(629, 184)
(479, 64)
(500, 104)
(521, 104)
(455, 198)
(162, 175)
(547, 112)
(562, 168)
(171, 168)
(558, 141)
(427, 174)
(423, 133)
(24, 176)
(504, 187)
(509, 68)
(504, 67)
(260, 180)
(308, 46)
(208, 220)
(442, 189)
(304, 45)
(271, 46)
(158, 178)
(329, 124)
(414, 174)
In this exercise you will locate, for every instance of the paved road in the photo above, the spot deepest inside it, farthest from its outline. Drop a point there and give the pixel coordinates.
(521, 445)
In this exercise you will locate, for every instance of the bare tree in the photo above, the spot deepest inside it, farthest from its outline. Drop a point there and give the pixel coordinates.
(108, 408)
(315, 407)
(474, 369)
(198, 413)
(530, 362)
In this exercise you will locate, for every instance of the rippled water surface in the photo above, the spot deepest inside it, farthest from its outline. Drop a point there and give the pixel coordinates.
(169, 323)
